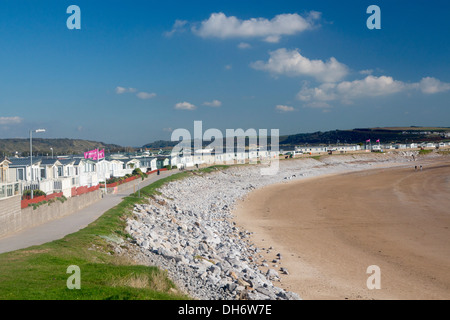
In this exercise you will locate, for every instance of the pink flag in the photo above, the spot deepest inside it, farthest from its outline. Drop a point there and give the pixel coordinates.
(98, 154)
(101, 154)
(94, 154)
(90, 154)
(378, 140)
(368, 140)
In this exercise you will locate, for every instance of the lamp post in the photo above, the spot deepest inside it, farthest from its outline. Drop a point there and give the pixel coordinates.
(52, 152)
(31, 155)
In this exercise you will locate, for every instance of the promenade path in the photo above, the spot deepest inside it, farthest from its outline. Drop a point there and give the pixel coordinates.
(59, 228)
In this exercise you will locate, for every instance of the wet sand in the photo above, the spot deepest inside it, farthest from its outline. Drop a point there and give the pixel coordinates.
(330, 229)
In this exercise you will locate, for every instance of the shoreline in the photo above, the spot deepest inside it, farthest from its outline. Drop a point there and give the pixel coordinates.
(327, 242)
(189, 230)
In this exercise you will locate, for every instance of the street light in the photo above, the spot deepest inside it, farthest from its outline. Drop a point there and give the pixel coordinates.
(31, 155)
(52, 152)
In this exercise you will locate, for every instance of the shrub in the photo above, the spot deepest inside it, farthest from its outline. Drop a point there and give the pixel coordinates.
(138, 172)
(36, 205)
(112, 180)
(36, 193)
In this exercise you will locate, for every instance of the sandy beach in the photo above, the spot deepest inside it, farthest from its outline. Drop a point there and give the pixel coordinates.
(329, 229)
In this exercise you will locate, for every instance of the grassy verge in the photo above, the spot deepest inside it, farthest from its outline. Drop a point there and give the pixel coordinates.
(40, 272)
(425, 151)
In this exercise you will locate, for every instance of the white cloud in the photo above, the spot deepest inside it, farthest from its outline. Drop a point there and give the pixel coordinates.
(370, 86)
(325, 92)
(346, 91)
(244, 45)
(292, 63)
(214, 103)
(141, 95)
(283, 108)
(431, 85)
(145, 95)
(185, 106)
(120, 90)
(220, 26)
(272, 39)
(178, 26)
(10, 120)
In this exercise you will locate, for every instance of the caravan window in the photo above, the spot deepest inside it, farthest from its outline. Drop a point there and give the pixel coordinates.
(20, 175)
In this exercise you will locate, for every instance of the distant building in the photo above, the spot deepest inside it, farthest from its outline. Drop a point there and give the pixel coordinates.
(4, 171)
(148, 163)
(312, 149)
(162, 161)
(24, 170)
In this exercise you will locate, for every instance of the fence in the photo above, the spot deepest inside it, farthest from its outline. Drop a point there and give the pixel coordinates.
(62, 184)
(115, 184)
(9, 189)
(88, 179)
(120, 172)
(82, 190)
(27, 201)
(153, 171)
(45, 185)
(74, 192)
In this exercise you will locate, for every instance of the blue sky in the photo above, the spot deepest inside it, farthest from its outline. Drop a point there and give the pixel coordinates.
(138, 69)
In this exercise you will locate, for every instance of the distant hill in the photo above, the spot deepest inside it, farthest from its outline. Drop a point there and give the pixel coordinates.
(42, 146)
(160, 144)
(360, 135)
(353, 136)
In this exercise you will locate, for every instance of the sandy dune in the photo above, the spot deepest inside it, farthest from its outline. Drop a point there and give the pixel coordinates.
(330, 229)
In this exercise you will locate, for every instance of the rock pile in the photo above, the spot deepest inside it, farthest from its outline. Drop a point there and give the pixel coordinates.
(188, 231)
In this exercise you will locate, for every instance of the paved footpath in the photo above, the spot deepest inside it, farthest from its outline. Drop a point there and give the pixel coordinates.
(57, 229)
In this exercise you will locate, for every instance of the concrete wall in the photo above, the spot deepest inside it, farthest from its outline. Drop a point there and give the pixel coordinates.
(129, 185)
(12, 220)
(9, 214)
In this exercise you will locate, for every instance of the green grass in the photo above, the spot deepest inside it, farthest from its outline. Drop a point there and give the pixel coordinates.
(425, 151)
(39, 272)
